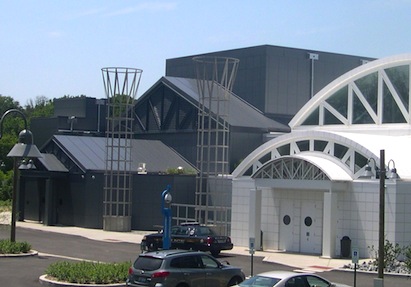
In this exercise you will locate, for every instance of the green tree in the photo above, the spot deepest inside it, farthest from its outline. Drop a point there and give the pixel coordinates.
(7, 103)
(40, 107)
(6, 185)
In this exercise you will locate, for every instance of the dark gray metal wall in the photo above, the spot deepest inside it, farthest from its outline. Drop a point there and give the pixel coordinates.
(90, 119)
(78, 199)
(146, 210)
(276, 80)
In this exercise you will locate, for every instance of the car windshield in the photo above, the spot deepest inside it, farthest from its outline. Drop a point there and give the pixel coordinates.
(260, 281)
(147, 263)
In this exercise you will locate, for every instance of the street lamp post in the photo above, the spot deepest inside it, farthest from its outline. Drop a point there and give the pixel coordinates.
(23, 149)
(381, 231)
(379, 282)
(166, 210)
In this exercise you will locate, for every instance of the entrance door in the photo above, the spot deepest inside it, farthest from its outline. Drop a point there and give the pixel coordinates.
(286, 225)
(311, 227)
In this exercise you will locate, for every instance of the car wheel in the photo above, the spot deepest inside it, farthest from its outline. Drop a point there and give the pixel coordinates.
(234, 281)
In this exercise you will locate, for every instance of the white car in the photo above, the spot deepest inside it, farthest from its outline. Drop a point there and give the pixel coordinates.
(287, 279)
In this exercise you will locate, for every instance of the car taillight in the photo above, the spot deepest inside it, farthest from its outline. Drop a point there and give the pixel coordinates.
(160, 274)
(130, 271)
(210, 240)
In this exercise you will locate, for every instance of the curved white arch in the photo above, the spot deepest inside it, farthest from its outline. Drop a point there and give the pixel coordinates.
(325, 159)
(326, 168)
(375, 66)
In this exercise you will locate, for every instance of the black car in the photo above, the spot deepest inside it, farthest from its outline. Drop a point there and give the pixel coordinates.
(171, 268)
(190, 236)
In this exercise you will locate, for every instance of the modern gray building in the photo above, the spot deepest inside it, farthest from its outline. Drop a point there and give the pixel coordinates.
(276, 80)
(168, 111)
(272, 84)
(67, 187)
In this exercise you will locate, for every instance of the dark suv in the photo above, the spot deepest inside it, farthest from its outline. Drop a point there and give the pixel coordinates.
(190, 236)
(175, 268)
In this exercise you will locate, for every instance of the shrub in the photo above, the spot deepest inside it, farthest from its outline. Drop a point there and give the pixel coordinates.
(86, 272)
(407, 261)
(391, 253)
(5, 205)
(6, 185)
(8, 247)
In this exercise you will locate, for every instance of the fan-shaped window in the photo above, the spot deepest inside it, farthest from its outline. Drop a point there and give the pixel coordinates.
(368, 86)
(284, 150)
(319, 145)
(312, 119)
(330, 119)
(399, 78)
(375, 93)
(291, 168)
(339, 101)
(391, 112)
(303, 145)
(340, 150)
(360, 113)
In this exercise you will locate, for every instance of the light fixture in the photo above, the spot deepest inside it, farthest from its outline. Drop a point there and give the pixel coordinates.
(23, 149)
(368, 169)
(392, 171)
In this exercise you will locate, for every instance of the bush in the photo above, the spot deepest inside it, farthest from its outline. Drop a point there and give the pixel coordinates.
(391, 254)
(8, 247)
(6, 185)
(86, 272)
(407, 261)
(5, 205)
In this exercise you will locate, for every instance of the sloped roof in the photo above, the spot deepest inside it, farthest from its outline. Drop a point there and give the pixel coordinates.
(51, 163)
(89, 153)
(241, 113)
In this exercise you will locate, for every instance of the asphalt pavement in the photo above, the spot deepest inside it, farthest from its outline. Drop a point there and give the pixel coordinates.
(55, 243)
(307, 263)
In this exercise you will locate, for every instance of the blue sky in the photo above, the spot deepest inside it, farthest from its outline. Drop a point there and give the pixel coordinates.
(54, 48)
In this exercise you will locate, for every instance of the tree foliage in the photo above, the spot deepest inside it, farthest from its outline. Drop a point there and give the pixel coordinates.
(40, 107)
(11, 126)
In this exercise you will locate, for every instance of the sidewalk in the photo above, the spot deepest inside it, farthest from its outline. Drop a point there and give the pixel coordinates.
(302, 263)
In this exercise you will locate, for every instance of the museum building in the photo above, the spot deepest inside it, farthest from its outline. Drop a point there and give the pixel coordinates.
(309, 190)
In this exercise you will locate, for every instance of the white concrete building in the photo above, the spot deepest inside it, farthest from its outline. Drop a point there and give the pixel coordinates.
(304, 191)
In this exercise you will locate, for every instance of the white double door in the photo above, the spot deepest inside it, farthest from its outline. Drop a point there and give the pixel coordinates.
(301, 225)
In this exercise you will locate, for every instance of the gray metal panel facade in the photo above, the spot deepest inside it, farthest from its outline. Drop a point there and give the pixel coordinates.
(276, 80)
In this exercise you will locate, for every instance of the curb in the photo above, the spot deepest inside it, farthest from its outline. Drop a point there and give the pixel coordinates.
(53, 283)
(30, 253)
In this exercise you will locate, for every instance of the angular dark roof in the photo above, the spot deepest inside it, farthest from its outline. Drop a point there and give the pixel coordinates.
(242, 114)
(89, 154)
(51, 163)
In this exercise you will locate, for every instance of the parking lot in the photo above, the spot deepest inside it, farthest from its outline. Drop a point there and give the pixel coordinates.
(54, 246)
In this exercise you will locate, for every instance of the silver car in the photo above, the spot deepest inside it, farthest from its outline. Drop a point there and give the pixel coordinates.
(172, 268)
(287, 279)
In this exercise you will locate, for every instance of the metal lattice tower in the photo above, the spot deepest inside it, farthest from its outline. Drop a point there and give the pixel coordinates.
(215, 80)
(121, 86)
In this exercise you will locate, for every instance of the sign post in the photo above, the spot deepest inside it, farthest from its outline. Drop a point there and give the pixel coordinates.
(355, 254)
(252, 251)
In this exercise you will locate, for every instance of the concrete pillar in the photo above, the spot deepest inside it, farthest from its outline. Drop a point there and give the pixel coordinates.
(254, 229)
(329, 224)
